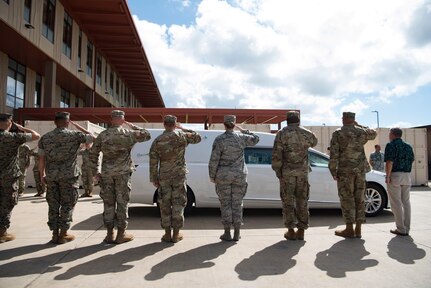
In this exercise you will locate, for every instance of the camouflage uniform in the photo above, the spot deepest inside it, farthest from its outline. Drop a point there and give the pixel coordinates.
(87, 172)
(115, 143)
(349, 164)
(40, 187)
(168, 168)
(24, 154)
(228, 171)
(9, 173)
(377, 161)
(60, 149)
(290, 163)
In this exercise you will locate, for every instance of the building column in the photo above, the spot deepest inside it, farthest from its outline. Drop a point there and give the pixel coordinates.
(49, 97)
(4, 60)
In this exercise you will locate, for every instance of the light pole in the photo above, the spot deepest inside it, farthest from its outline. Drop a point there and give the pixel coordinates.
(377, 113)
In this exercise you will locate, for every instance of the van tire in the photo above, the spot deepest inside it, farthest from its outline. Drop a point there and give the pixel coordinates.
(375, 199)
(190, 200)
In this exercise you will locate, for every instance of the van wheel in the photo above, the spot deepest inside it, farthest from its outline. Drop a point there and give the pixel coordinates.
(190, 200)
(375, 199)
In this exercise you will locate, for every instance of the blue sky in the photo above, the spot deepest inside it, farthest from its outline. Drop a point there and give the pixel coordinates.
(320, 57)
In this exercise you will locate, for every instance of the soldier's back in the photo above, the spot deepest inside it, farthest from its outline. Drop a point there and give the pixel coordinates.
(351, 140)
(9, 145)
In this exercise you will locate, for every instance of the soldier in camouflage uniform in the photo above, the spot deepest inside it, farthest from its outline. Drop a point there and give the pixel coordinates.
(168, 173)
(290, 163)
(87, 173)
(40, 187)
(24, 153)
(228, 171)
(9, 170)
(58, 152)
(116, 143)
(348, 165)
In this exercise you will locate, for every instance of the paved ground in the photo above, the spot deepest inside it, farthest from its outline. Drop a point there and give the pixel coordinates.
(262, 258)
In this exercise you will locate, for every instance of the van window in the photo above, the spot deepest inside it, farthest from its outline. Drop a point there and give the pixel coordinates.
(258, 155)
(317, 160)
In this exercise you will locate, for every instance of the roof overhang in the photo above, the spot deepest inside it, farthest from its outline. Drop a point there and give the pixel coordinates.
(155, 115)
(109, 25)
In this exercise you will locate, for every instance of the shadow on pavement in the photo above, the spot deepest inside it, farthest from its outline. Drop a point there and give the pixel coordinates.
(197, 258)
(344, 256)
(148, 218)
(48, 263)
(276, 259)
(18, 251)
(113, 263)
(404, 250)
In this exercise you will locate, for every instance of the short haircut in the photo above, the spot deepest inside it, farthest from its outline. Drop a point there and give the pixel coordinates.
(377, 145)
(292, 119)
(397, 132)
(229, 125)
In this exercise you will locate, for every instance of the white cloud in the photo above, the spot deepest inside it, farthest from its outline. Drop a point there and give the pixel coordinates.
(320, 57)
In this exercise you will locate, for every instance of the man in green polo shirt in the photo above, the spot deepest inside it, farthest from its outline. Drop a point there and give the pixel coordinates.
(399, 157)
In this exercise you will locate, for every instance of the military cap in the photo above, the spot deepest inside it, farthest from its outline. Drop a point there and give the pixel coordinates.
(292, 116)
(5, 116)
(349, 115)
(170, 119)
(117, 113)
(62, 115)
(229, 119)
(292, 113)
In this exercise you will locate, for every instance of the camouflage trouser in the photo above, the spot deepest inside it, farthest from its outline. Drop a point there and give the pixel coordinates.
(351, 190)
(87, 179)
(294, 193)
(61, 196)
(115, 192)
(40, 188)
(230, 196)
(172, 199)
(21, 181)
(8, 199)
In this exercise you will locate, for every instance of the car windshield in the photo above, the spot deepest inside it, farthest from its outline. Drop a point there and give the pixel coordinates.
(263, 156)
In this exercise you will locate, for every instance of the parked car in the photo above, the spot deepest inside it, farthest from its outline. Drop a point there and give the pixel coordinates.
(263, 185)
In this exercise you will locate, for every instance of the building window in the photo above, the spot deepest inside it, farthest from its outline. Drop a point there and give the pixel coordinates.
(89, 59)
(27, 10)
(79, 48)
(99, 70)
(38, 92)
(76, 101)
(48, 21)
(67, 35)
(15, 85)
(106, 77)
(64, 99)
(7, 1)
(111, 83)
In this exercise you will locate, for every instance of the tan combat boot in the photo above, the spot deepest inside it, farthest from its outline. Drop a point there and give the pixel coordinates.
(167, 236)
(300, 234)
(358, 232)
(177, 236)
(109, 235)
(64, 237)
(122, 237)
(5, 237)
(55, 235)
(347, 233)
(290, 234)
(226, 235)
(236, 234)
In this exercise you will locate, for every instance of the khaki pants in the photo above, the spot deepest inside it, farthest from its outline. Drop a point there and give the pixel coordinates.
(399, 195)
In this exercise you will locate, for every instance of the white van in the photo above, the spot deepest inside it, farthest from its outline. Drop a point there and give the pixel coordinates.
(263, 186)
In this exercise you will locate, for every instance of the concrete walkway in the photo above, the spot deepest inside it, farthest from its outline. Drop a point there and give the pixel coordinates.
(262, 258)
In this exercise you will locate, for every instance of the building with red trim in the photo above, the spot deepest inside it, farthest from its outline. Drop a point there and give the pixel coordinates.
(68, 54)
